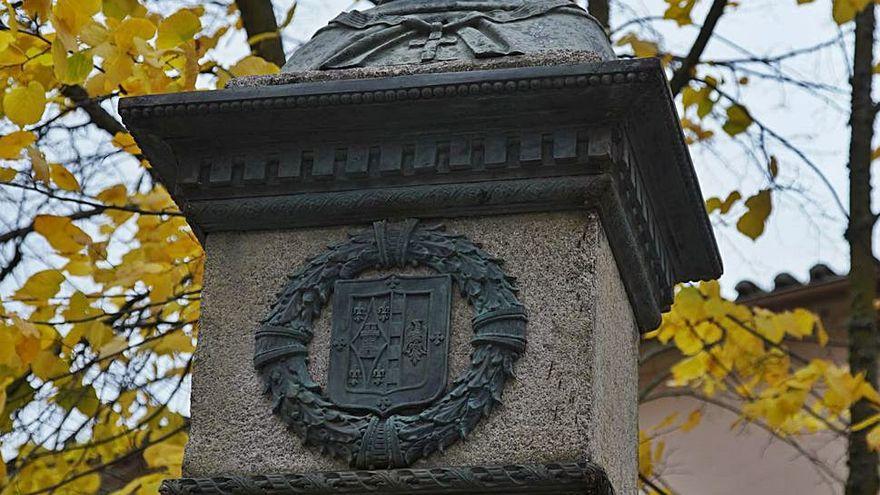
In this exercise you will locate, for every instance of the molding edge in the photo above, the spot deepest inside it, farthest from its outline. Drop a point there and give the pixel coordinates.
(583, 478)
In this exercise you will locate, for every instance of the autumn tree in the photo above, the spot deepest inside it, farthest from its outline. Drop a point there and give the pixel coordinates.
(100, 274)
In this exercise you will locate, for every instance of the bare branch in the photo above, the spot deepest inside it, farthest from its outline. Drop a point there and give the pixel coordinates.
(684, 73)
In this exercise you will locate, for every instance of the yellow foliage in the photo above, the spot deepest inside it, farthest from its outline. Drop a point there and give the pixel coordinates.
(680, 11)
(61, 233)
(177, 29)
(40, 286)
(7, 174)
(125, 141)
(63, 178)
(11, 144)
(25, 105)
(739, 355)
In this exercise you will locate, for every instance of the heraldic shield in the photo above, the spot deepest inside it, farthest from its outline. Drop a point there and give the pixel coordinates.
(389, 342)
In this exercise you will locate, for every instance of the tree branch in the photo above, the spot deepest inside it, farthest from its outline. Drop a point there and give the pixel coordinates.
(258, 18)
(600, 9)
(685, 71)
(99, 116)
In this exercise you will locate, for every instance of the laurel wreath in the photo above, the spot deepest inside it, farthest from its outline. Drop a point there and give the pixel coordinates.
(367, 440)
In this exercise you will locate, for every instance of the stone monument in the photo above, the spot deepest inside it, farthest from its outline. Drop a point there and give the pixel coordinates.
(432, 242)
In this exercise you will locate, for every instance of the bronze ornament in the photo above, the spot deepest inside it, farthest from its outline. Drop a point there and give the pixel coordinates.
(366, 439)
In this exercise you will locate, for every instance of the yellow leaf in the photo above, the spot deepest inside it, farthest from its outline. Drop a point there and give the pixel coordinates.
(769, 326)
(27, 348)
(73, 68)
(118, 9)
(253, 66)
(115, 345)
(689, 304)
(61, 233)
(690, 369)
(773, 167)
(63, 178)
(163, 455)
(37, 8)
(79, 265)
(180, 27)
(679, 11)
(692, 421)
(175, 342)
(126, 142)
(844, 11)
(641, 48)
(24, 105)
(131, 28)
(713, 204)
(873, 438)
(738, 120)
(11, 144)
(98, 334)
(48, 365)
(759, 207)
(39, 165)
(7, 174)
(248, 66)
(686, 340)
(41, 286)
(144, 485)
(70, 16)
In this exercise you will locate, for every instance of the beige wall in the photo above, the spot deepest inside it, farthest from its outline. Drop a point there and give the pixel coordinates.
(718, 458)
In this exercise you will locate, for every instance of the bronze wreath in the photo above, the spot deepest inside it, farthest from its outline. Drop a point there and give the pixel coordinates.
(365, 440)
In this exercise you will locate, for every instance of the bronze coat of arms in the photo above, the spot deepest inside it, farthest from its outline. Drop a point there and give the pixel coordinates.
(390, 340)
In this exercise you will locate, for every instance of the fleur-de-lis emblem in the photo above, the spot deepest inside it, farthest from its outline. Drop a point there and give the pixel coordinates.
(354, 377)
(339, 344)
(393, 282)
(378, 376)
(359, 313)
(384, 312)
(383, 403)
(437, 338)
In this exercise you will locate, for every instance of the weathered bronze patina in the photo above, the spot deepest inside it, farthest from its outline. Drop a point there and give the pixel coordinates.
(389, 342)
(389, 336)
(426, 31)
(582, 478)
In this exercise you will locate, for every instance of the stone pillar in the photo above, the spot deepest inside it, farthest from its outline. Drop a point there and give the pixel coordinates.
(572, 399)
(568, 200)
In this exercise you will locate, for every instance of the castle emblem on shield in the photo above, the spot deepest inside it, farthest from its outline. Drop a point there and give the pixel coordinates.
(389, 342)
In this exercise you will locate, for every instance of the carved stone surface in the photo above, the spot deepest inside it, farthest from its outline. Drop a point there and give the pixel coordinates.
(430, 31)
(557, 479)
(366, 440)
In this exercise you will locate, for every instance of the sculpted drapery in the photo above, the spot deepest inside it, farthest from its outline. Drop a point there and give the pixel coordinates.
(411, 32)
